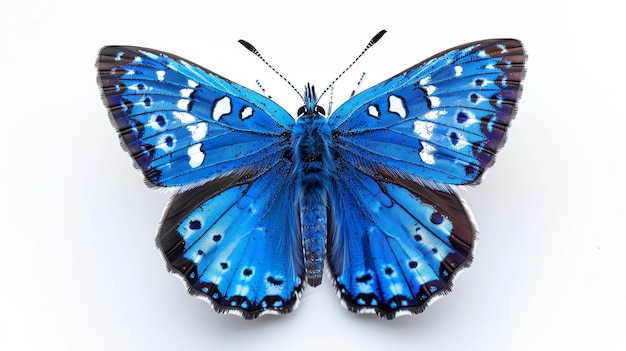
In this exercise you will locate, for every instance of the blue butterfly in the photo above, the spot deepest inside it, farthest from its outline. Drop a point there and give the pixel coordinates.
(265, 199)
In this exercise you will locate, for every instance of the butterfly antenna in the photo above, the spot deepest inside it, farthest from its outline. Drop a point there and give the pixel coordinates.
(358, 85)
(330, 103)
(253, 50)
(375, 39)
(260, 86)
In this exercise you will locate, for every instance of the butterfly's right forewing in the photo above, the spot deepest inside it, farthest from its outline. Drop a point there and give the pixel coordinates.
(441, 121)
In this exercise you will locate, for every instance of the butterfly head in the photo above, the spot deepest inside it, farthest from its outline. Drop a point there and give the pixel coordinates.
(310, 103)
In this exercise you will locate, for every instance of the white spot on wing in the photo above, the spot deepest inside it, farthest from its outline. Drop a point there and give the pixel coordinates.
(458, 70)
(373, 111)
(183, 104)
(427, 153)
(424, 80)
(146, 101)
(154, 124)
(160, 75)
(502, 48)
(166, 142)
(483, 54)
(434, 101)
(184, 117)
(434, 114)
(198, 131)
(137, 59)
(470, 118)
(186, 92)
(119, 55)
(430, 89)
(423, 129)
(396, 104)
(192, 83)
(222, 107)
(246, 112)
(196, 156)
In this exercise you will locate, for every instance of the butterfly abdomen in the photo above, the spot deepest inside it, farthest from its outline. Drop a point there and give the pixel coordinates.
(313, 168)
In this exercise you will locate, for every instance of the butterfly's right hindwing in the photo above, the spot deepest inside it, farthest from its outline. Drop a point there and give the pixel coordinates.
(184, 124)
(395, 245)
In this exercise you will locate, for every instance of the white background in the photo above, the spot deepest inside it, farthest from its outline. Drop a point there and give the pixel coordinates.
(79, 268)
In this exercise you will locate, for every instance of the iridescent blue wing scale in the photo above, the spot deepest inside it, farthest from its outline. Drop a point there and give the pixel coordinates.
(228, 232)
(182, 123)
(400, 232)
(440, 121)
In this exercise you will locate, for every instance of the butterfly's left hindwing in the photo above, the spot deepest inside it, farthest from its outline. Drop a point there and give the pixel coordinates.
(184, 124)
(235, 242)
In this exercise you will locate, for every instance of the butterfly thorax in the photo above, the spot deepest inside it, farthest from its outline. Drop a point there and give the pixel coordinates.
(313, 167)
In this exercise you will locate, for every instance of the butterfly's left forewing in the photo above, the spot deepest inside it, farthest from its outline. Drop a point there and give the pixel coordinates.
(184, 124)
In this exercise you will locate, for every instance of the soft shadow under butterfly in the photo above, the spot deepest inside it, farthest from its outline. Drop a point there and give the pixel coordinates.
(266, 199)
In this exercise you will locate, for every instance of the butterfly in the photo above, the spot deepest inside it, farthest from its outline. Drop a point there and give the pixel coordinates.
(266, 201)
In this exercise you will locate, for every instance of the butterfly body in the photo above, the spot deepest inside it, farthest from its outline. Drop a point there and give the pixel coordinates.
(311, 142)
(266, 200)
